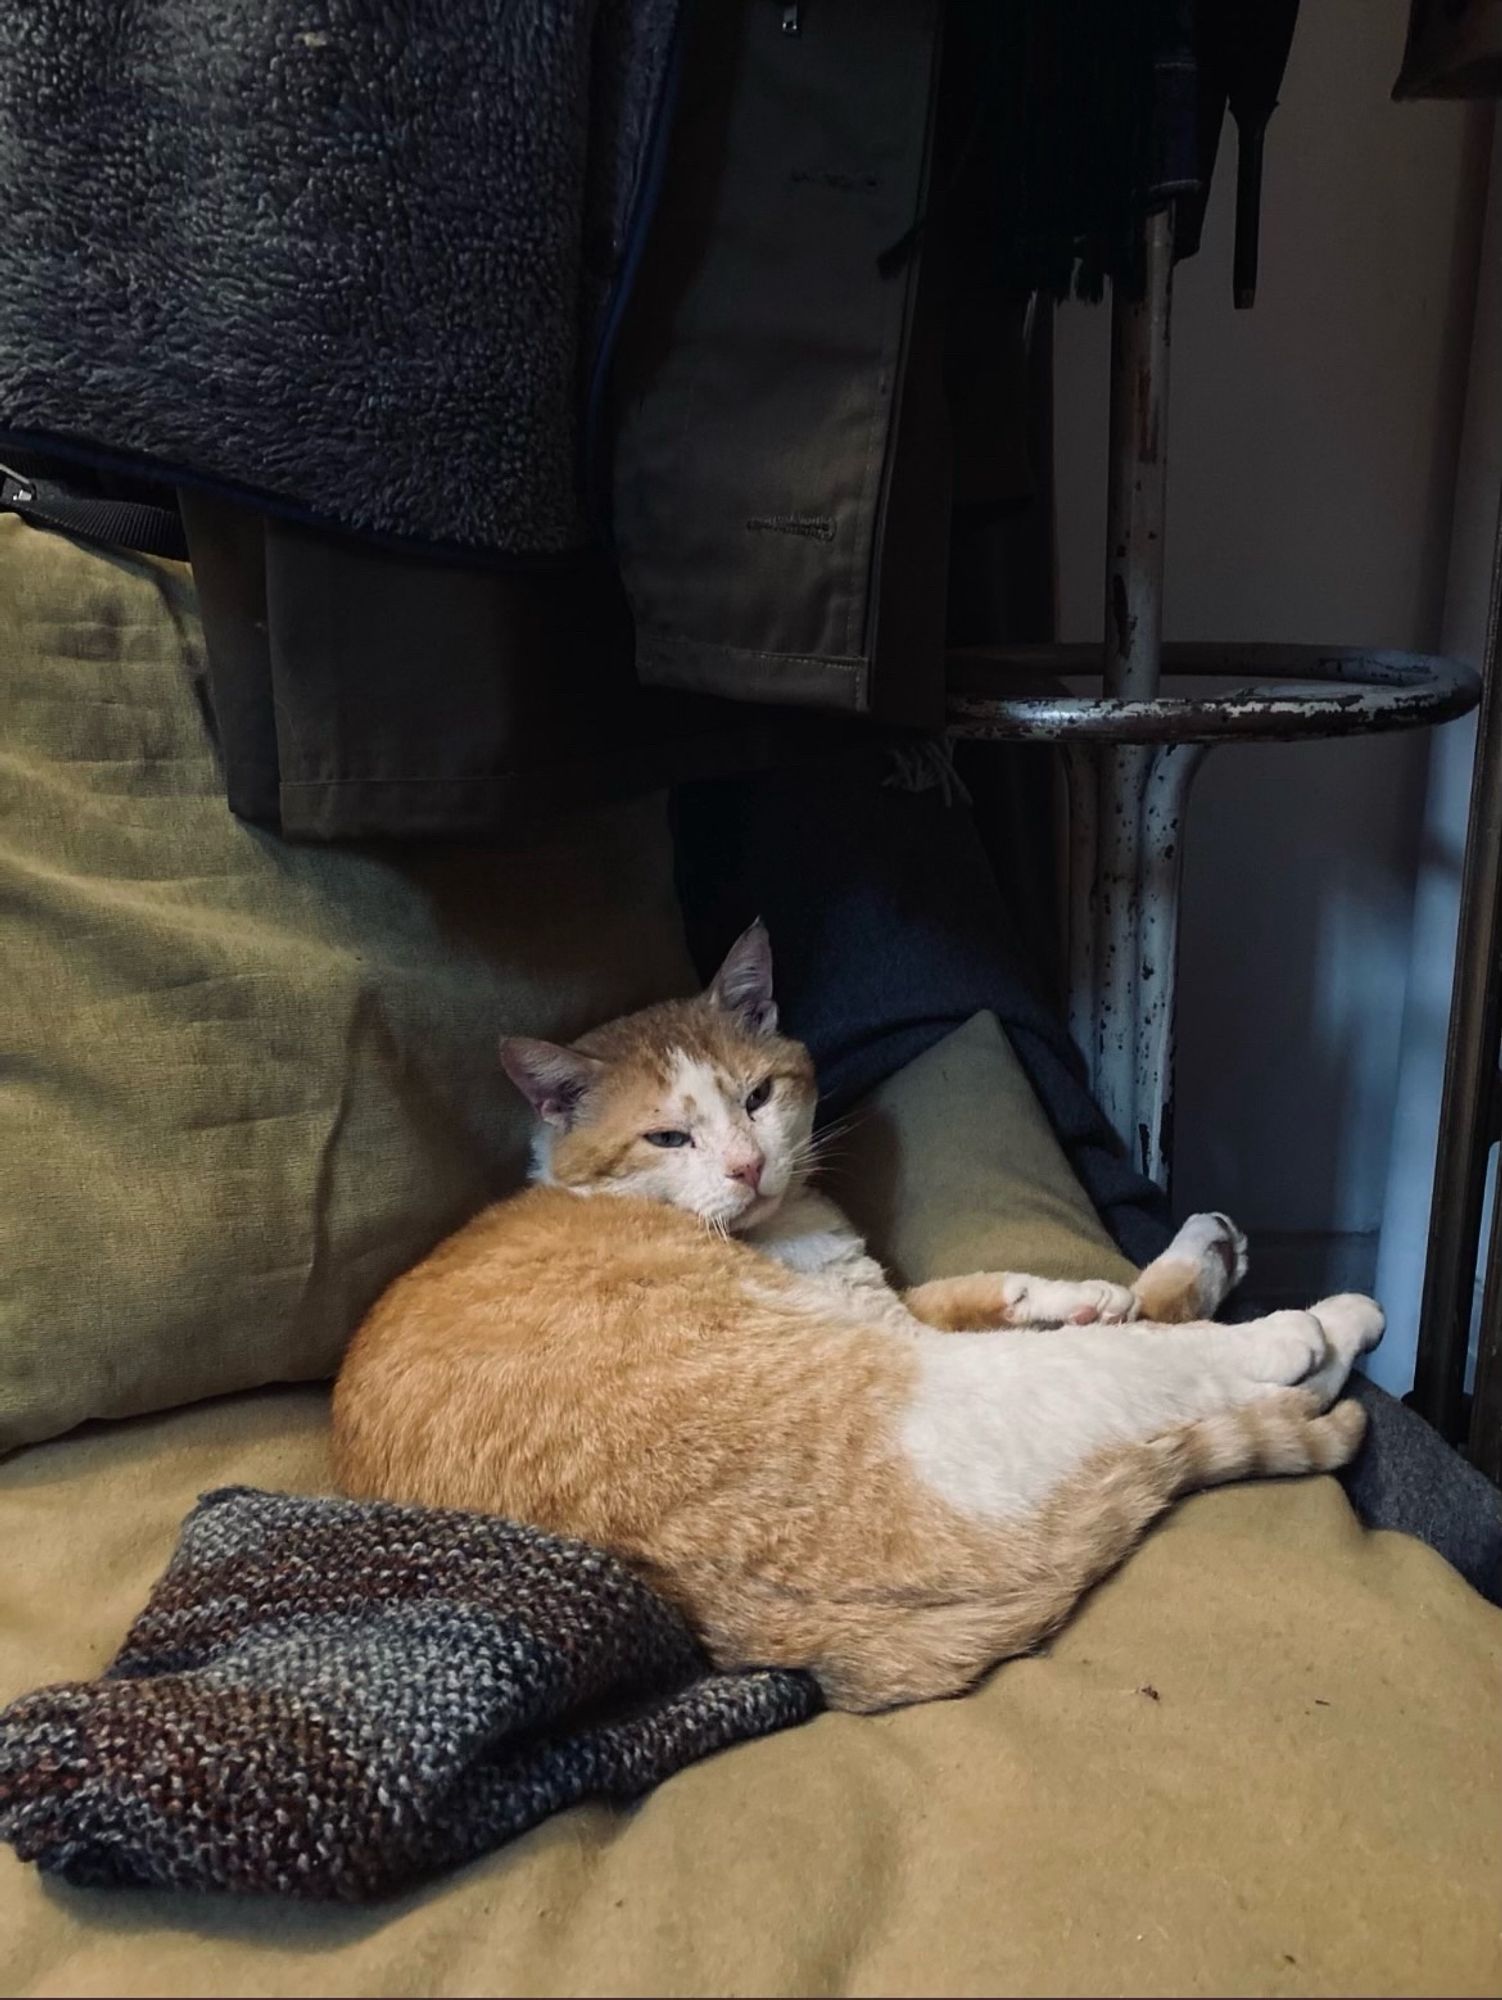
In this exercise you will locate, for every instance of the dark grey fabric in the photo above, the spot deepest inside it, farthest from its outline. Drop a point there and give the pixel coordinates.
(356, 260)
(1408, 1478)
(890, 932)
(334, 1699)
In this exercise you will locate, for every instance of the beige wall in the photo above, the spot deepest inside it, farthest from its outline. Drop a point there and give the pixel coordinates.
(1312, 453)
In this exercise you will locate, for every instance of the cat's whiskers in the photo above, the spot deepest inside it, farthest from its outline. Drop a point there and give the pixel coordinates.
(813, 1153)
(823, 1144)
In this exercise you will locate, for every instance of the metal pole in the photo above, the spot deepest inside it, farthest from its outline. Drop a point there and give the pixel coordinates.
(1133, 663)
(1139, 473)
(1468, 1109)
(1082, 766)
(1118, 812)
(1166, 802)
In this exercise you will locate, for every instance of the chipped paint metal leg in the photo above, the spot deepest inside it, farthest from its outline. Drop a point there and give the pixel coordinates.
(1117, 905)
(1132, 669)
(1124, 849)
(1143, 793)
(1082, 767)
(1165, 802)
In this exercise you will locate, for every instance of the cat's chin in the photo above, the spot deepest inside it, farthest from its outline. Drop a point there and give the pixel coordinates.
(761, 1210)
(756, 1212)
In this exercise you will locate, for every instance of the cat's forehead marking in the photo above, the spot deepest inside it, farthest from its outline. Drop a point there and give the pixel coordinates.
(695, 1083)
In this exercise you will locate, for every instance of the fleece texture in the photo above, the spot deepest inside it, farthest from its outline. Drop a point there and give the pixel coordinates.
(354, 261)
(333, 1699)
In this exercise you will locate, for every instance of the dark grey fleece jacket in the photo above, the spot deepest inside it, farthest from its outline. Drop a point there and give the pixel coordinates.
(349, 258)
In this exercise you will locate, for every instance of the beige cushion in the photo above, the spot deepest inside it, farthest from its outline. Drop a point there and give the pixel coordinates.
(1262, 1759)
(246, 1083)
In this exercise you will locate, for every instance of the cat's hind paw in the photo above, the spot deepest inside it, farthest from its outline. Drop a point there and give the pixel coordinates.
(1215, 1243)
(1205, 1262)
(1353, 1323)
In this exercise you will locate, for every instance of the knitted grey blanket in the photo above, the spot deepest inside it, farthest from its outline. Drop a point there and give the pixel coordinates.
(334, 1699)
(352, 259)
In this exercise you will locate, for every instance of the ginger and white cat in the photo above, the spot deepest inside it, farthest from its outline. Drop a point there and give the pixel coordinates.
(671, 1347)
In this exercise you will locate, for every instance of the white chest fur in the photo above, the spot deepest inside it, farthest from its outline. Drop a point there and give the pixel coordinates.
(811, 1238)
(808, 1234)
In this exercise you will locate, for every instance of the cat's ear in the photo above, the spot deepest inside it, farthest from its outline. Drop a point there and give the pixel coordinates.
(555, 1081)
(743, 984)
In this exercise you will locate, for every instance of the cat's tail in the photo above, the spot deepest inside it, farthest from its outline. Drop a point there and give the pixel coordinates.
(894, 1653)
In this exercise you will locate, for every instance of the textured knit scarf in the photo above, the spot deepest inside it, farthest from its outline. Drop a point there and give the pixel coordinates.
(331, 1699)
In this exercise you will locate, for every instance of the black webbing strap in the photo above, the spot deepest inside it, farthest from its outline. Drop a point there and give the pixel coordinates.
(121, 524)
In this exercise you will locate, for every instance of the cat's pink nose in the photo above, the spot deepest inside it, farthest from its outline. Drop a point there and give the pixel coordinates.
(748, 1169)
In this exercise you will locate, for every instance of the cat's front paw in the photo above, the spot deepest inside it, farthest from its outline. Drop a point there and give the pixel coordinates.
(1062, 1302)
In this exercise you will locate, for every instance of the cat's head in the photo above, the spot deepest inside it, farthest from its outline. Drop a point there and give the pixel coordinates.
(697, 1103)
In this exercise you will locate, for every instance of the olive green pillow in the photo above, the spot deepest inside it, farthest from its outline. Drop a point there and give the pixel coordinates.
(951, 1166)
(243, 1083)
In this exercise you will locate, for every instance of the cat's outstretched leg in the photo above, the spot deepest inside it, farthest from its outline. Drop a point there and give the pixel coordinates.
(1191, 1280)
(988, 1301)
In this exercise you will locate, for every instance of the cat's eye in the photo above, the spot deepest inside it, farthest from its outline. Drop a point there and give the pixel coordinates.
(760, 1095)
(667, 1138)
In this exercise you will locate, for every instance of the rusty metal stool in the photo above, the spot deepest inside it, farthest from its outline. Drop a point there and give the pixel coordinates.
(1130, 765)
(1132, 751)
